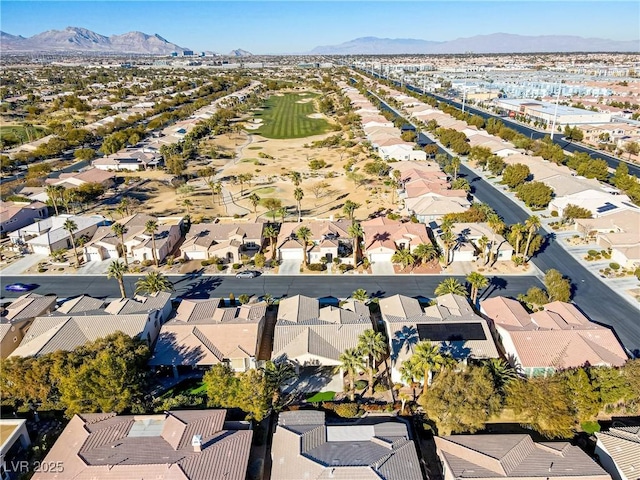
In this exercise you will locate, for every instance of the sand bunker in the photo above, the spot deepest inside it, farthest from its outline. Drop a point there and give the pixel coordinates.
(315, 115)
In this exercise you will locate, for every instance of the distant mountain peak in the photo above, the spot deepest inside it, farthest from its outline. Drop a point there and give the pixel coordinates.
(240, 53)
(491, 43)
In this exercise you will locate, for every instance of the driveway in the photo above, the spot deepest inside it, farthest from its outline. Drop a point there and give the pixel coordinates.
(290, 267)
(95, 268)
(382, 268)
(19, 266)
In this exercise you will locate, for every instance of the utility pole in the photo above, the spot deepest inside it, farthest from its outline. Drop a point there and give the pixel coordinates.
(464, 96)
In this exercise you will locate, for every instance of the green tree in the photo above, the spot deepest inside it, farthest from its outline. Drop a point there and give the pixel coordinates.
(535, 297)
(426, 360)
(515, 174)
(54, 193)
(583, 394)
(477, 281)
(272, 205)
(298, 194)
(632, 148)
(372, 345)
(352, 363)
(153, 282)
(360, 295)
(544, 403)
(558, 287)
(461, 401)
(304, 235)
(502, 374)
(221, 385)
(516, 235)
(425, 252)
(535, 194)
(450, 285)
(72, 227)
(571, 212)
(296, 178)
(461, 184)
(449, 241)
(151, 227)
(117, 270)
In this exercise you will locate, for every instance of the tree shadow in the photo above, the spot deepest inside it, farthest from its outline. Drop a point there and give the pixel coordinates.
(495, 284)
(202, 287)
(403, 339)
(456, 348)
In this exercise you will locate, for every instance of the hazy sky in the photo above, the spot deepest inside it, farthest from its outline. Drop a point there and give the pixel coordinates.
(265, 27)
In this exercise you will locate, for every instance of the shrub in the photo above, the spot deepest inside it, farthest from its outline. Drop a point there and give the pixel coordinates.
(42, 270)
(346, 410)
(236, 266)
(221, 267)
(592, 253)
(393, 216)
(554, 213)
(361, 384)
(147, 263)
(379, 388)
(345, 267)
(614, 266)
(317, 267)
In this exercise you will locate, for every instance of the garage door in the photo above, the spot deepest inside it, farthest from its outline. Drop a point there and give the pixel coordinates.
(380, 257)
(291, 254)
(195, 255)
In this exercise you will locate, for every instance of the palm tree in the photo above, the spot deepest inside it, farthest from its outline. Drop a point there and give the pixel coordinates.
(532, 224)
(296, 178)
(483, 243)
(271, 233)
(501, 372)
(304, 234)
(360, 295)
(428, 359)
(218, 191)
(187, 203)
(151, 227)
(450, 285)
(117, 270)
(298, 194)
(356, 232)
(71, 227)
(517, 232)
(153, 282)
(351, 362)
(244, 178)
(349, 209)
(211, 183)
(119, 229)
(477, 281)
(449, 241)
(276, 374)
(404, 257)
(455, 166)
(497, 226)
(255, 201)
(425, 252)
(373, 345)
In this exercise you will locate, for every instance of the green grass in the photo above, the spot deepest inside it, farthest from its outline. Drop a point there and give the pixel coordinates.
(187, 387)
(264, 190)
(283, 117)
(322, 397)
(17, 135)
(590, 427)
(254, 148)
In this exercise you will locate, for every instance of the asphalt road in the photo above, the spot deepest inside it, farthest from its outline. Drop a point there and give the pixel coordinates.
(592, 296)
(340, 286)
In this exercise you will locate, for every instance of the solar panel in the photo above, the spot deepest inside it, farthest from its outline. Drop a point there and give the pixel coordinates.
(451, 332)
(606, 207)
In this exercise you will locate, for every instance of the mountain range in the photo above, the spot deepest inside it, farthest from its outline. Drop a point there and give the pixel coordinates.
(75, 39)
(494, 43)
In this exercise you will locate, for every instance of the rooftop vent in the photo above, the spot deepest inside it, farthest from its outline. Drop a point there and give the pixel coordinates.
(196, 443)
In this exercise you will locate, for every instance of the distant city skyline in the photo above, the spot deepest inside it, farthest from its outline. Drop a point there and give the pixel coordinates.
(270, 27)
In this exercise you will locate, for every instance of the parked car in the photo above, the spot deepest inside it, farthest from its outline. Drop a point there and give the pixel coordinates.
(21, 287)
(247, 274)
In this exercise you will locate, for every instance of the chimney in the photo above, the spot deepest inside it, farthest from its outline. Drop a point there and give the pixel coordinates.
(196, 443)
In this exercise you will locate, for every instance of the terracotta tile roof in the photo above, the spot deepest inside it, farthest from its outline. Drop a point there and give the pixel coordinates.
(138, 447)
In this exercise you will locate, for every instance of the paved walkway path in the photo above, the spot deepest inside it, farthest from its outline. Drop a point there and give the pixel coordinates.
(230, 205)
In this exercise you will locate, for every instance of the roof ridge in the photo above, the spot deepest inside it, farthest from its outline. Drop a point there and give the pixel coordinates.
(207, 343)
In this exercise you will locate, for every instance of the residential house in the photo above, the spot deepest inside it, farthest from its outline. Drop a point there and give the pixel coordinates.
(16, 319)
(451, 323)
(138, 244)
(598, 202)
(48, 235)
(76, 179)
(618, 451)
(329, 239)
(17, 215)
(468, 247)
(14, 442)
(140, 317)
(179, 444)
(227, 241)
(382, 237)
(618, 231)
(514, 457)
(205, 332)
(556, 338)
(131, 160)
(305, 445)
(431, 208)
(401, 151)
(312, 336)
